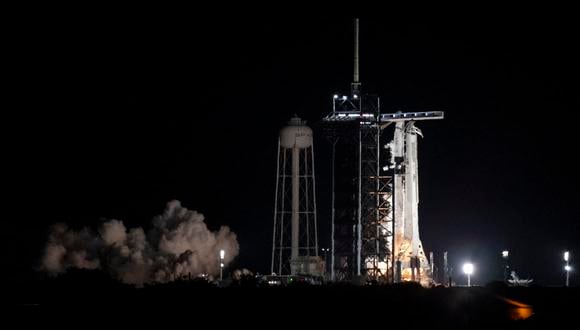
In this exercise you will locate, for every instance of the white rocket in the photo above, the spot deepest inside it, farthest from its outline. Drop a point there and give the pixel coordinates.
(411, 261)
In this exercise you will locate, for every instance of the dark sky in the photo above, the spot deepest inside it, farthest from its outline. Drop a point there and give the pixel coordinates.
(116, 115)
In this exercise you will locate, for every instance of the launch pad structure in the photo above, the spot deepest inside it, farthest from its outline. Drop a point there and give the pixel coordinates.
(375, 193)
(375, 233)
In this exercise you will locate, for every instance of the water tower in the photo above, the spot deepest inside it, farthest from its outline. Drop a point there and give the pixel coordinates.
(295, 243)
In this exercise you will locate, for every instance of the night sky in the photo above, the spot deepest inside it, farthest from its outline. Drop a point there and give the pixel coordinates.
(117, 115)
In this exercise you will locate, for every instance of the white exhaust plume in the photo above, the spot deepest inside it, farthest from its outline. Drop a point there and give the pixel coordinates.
(179, 244)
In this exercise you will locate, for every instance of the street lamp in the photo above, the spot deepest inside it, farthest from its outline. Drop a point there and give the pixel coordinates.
(222, 255)
(505, 255)
(468, 270)
(567, 267)
(325, 250)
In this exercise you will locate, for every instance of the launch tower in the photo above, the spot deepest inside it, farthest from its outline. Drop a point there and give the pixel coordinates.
(375, 231)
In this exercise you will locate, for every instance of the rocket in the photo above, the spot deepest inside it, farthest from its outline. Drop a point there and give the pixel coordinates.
(411, 261)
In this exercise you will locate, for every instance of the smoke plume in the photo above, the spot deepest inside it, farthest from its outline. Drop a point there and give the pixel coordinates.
(178, 244)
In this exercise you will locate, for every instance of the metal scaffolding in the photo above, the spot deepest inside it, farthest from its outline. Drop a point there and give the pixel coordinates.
(362, 222)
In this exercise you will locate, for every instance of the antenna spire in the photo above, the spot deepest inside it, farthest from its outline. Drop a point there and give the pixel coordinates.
(356, 78)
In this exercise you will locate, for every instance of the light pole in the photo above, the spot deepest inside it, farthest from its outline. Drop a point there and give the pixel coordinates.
(468, 270)
(325, 250)
(567, 267)
(222, 255)
(505, 255)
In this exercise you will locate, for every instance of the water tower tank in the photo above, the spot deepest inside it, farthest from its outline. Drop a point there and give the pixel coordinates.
(296, 134)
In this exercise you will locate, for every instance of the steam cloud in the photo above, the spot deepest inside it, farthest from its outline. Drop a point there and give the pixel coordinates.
(179, 244)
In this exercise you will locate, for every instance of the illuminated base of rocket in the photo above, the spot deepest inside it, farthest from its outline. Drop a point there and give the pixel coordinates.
(412, 266)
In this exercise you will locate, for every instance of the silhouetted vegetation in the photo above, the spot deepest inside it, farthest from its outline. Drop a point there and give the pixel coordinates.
(405, 303)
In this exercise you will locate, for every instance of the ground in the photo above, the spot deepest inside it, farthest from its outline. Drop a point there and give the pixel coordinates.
(494, 305)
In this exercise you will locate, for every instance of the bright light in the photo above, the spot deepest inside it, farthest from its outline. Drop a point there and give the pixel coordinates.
(566, 256)
(468, 268)
(355, 96)
(505, 253)
(344, 98)
(335, 96)
(568, 268)
(222, 254)
(222, 265)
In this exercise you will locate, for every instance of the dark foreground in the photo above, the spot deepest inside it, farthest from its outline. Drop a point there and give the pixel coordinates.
(492, 306)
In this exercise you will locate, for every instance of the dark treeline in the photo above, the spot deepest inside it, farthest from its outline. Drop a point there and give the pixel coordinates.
(478, 307)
